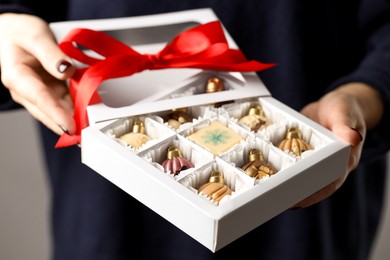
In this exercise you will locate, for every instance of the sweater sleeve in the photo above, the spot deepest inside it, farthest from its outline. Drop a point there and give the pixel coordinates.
(374, 68)
(14, 8)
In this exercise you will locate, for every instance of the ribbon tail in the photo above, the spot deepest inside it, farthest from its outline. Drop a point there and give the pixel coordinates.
(66, 140)
(83, 91)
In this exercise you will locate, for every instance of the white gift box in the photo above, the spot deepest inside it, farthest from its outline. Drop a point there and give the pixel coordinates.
(151, 94)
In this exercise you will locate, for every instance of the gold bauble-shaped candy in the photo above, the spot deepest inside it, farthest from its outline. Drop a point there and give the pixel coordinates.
(255, 119)
(256, 166)
(294, 143)
(137, 137)
(215, 84)
(175, 163)
(215, 188)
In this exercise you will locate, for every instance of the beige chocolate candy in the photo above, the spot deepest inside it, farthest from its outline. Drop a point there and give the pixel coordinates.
(136, 138)
(294, 143)
(174, 123)
(215, 188)
(256, 166)
(177, 117)
(216, 191)
(255, 119)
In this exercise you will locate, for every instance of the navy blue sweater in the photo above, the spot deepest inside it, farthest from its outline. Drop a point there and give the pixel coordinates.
(318, 45)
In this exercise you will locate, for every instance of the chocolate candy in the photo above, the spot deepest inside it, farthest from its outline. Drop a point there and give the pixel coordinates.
(215, 188)
(256, 166)
(294, 143)
(214, 84)
(216, 138)
(137, 137)
(177, 117)
(255, 119)
(175, 163)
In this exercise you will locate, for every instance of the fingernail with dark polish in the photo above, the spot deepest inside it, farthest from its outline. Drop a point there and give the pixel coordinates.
(64, 129)
(63, 66)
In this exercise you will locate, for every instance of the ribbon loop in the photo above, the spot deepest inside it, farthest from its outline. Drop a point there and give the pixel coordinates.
(201, 47)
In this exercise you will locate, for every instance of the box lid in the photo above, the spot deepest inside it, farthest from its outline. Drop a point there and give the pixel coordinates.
(124, 96)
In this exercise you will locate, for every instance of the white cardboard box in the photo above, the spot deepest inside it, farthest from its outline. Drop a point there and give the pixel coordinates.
(253, 202)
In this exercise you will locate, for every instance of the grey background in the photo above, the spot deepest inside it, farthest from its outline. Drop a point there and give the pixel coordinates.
(25, 197)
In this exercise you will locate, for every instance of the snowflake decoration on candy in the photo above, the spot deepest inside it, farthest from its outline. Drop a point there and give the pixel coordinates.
(216, 138)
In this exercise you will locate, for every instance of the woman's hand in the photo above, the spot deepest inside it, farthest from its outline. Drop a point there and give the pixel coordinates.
(34, 70)
(348, 112)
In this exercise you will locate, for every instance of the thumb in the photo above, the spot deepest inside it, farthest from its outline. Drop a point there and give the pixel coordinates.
(350, 134)
(46, 49)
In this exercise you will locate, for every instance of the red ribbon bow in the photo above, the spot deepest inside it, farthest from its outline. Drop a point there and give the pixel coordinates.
(202, 47)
